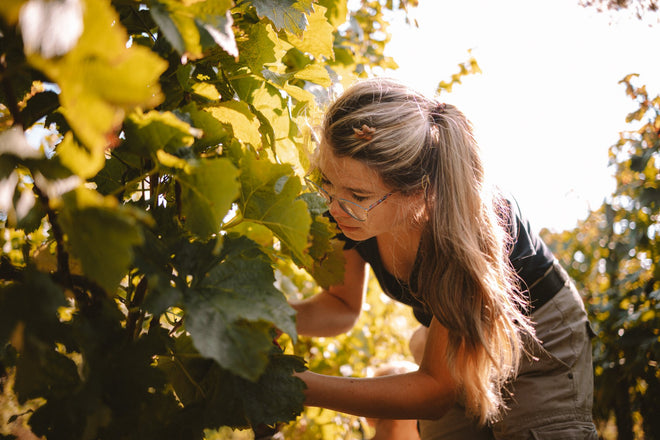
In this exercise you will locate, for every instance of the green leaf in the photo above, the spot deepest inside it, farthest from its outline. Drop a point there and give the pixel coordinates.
(269, 196)
(214, 132)
(255, 232)
(261, 47)
(39, 106)
(208, 189)
(327, 267)
(34, 302)
(101, 234)
(243, 283)
(278, 387)
(284, 14)
(149, 132)
(214, 17)
(43, 372)
(335, 11)
(239, 346)
(167, 26)
(119, 168)
(230, 400)
(188, 25)
(230, 311)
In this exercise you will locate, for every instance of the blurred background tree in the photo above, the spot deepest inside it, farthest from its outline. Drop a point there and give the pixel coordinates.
(614, 256)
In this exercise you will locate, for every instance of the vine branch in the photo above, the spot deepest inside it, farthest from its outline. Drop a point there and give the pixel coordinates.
(12, 101)
(63, 269)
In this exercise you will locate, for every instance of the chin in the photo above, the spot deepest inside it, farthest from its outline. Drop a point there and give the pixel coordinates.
(354, 233)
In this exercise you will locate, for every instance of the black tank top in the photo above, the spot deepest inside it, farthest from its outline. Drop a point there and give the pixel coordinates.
(530, 257)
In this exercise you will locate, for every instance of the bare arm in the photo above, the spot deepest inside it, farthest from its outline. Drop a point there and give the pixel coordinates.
(336, 309)
(424, 394)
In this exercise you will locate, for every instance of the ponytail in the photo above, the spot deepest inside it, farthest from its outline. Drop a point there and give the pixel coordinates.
(464, 276)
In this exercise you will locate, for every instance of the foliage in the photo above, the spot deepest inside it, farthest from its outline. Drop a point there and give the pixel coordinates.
(614, 255)
(146, 242)
(380, 337)
(469, 67)
(640, 8)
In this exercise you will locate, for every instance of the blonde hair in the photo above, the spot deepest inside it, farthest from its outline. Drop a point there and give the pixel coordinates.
(464, 276)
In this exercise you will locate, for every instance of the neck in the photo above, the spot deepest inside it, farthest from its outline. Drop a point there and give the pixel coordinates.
(398, 251)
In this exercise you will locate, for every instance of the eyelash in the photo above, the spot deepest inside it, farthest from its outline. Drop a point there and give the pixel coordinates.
(357, 198)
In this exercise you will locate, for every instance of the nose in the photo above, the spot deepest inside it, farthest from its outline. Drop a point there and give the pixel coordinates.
(334, 208)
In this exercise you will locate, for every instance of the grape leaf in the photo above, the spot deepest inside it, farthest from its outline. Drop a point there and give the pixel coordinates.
(101, 234)
(327, 267)
(315, 73)
(149, 132)
(43, 372)
(82, 161)
(284, 14)
(278, 387)
(187, 25)
(269, 196)
(33, 302)
(101, 77)
(269, 102)
(261, 47)
(214, 132)
(318, 38)
(230, 311)
(208, 188)
(230, 400)
(237, 114)
(39, 106)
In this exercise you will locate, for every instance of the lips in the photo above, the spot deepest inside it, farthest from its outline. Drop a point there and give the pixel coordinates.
(346, 228)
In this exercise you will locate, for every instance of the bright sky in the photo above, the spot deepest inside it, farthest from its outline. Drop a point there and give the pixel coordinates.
(548, 104)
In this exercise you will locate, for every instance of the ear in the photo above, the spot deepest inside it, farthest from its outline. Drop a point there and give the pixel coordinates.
(417, 204)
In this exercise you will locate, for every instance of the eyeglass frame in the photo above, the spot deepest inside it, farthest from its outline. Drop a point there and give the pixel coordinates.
(326, 195)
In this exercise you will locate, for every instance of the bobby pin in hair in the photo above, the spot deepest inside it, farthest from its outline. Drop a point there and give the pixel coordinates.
(439, 109)
(365, 133)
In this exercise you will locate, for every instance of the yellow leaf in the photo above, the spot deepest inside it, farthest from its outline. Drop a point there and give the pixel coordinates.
(100, 77)
(84, 162)
(243, 122)
(299, 94)
(9, 10)
(261, 47)
(206, 90)
(315, 73)
(171, 161)
(318, 38)
(647, 316)
(269, 102)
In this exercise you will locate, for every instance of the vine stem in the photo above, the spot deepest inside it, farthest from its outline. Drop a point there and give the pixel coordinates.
(138, 179)
(12, 102)
(134, 312)
(237, 220)
(63, 269)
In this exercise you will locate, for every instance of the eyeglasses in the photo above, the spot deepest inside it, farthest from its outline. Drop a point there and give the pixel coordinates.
(356, 211)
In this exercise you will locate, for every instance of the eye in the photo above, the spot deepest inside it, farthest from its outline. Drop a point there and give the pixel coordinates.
(358, 198)
(325, 183)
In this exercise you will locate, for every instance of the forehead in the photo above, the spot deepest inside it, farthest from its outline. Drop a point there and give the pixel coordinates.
(348, 172)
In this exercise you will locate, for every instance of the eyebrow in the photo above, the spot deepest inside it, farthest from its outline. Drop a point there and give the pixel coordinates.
(360, 191)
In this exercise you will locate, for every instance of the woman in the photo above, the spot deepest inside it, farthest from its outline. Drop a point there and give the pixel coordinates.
(506, 350)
